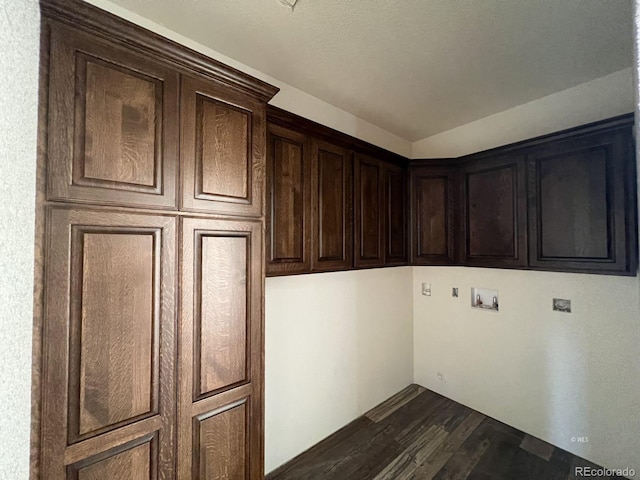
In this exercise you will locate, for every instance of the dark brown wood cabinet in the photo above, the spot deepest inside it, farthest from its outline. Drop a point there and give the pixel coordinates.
(581, 203)
(108, 403)
(129, 382)
(369, 212)
(380, 222)
(222, 149)
(331, 207)
(493, 213)
(220, 365)
(563, 202)
(333, 202)
(288, 216)
(434, 205)
(113, 123)
(394, 202)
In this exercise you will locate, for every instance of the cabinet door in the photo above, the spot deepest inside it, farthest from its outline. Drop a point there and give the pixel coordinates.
(494, 212)
(581, 204)
(112, 126)
(369, 212)
(288, 202)
(108, 400)
(222, 149)
(220, 375)
(332, 211)
(433, 194)
(395, 215)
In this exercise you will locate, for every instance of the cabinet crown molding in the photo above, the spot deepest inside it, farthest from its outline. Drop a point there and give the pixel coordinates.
(613, 123)
(106, 25)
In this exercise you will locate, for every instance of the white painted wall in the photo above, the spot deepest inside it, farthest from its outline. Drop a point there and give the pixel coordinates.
(553, 375)
(289, 98)
(19, 40)
(589, 102)
(337, 344)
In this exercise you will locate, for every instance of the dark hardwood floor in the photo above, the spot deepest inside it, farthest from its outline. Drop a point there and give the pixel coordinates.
(418, 434)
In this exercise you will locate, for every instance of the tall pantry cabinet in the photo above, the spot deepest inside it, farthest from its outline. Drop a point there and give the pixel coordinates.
(150, 247)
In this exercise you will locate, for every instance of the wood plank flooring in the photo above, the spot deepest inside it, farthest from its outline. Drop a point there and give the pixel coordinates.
(418, 434)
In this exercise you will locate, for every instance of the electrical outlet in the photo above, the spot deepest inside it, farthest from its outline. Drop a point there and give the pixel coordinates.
(561, 305)
(440, 376)
(454, 292)
(426, 289)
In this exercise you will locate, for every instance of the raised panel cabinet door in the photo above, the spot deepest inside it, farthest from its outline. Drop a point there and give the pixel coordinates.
(332, 207)
(433, 194)
(112, 124)
(581, 214)
(288, 216)
(369, 212)
(222, 149)
(494, 212)
(394, 201)
(108, 398)
(220, 372)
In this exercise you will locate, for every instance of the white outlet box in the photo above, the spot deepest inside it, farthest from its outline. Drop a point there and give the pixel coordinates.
(426, 289)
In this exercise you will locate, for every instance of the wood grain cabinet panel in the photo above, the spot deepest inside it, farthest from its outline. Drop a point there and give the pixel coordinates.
(433, 197)
(221, 323)
(332, 207)
(117, 315)
(110, 285)
(130, 462)
(394, 201)
(288, 217)
(113, 124)
(221, 344)
(579, 199)
(369, 212)
(494, 212)
(221, 438)
(120, 128)
(222, 149)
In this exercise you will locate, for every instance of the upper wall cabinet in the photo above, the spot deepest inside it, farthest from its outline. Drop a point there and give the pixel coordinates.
(369, 212)
(328, 208)
(581, 203)
(332, 207)
(395, 214)
(288, 201)
(113, 124)
(433, 200)
(494, 212)
(564, 202)
(222, 149)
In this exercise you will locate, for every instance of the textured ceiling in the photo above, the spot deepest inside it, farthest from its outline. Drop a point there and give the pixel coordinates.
(414, 67)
